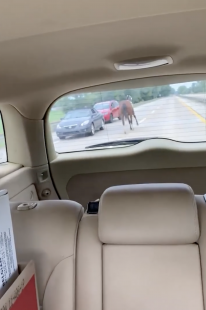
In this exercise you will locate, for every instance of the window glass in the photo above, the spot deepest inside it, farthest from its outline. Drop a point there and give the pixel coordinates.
(77, 114)
(175, 111)
(102, 105)
(3, 153)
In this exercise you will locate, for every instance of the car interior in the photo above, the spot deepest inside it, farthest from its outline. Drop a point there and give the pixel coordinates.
(120, 215)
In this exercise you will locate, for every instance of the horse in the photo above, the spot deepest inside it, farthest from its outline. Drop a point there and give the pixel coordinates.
(127, 111)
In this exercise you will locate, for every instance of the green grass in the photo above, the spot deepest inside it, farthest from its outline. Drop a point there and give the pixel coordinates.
(55, 116)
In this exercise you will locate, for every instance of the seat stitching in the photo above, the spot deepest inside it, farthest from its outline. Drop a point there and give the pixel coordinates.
(51, 275)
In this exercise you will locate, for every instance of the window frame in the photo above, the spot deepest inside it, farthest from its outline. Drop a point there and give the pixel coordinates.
(4, 136)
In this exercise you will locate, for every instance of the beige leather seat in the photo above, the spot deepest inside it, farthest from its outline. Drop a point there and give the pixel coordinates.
(141, 251)
(47, 235)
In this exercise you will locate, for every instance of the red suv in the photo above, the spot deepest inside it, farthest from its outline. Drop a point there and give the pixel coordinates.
(109, 109)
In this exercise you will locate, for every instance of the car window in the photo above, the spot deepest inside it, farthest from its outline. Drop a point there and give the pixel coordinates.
(77, 114)
(175, 111)
(3, 152)
(102, 106)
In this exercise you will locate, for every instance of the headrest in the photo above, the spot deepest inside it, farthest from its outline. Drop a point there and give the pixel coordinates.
(148, 214)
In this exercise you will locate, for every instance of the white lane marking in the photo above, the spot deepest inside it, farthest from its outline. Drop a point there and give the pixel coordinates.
(142, 120)
(153, 111)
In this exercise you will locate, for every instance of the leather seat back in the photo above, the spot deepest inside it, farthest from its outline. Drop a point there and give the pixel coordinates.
(47, 235)
(141, 251)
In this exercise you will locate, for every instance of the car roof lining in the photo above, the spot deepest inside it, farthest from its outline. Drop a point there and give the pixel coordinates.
(46, 16)
(36, 68)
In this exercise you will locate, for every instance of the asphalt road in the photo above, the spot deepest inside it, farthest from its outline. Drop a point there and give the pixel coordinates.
(176, 118)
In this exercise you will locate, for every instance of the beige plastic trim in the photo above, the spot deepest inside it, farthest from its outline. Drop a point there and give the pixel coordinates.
(7, 168)
(27, 194)
(49, 142)
(150, 154)
(92, 185)
(21, 179)
(24, 138)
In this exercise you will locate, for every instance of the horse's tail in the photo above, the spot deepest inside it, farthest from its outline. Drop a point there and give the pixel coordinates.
(124, 108)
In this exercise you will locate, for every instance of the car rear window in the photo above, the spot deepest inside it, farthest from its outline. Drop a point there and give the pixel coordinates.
(175, 111)
(77, 114)
(102, 106)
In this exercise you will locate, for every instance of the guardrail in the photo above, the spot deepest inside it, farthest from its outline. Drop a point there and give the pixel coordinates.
(197, 98)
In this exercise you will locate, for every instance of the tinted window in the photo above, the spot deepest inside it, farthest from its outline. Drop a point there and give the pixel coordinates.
(102, 106)
(78, 114)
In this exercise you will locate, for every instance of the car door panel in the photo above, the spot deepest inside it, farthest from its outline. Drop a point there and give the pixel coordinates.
(27, 194)
(95, 119)
(99, 120)
(97, 116)
(113, 109)
(29, 184)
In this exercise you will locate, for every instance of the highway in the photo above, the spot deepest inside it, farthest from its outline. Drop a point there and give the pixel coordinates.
(172, 117)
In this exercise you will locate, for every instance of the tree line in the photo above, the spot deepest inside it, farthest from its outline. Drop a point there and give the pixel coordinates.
(195, 88)
(75, 101)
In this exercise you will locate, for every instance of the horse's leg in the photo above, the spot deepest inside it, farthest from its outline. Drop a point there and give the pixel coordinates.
(123, 122)
(131, 122)
(133, 113)
(136, 119)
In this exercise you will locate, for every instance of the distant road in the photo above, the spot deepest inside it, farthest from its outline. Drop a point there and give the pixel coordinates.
(199, 96)
(171, 117)
(197, 102)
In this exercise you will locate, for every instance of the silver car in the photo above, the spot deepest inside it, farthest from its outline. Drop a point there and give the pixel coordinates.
(81, 121)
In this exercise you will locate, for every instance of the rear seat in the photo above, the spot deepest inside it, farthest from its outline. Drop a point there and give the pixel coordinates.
(47, 235)
(141, 251)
